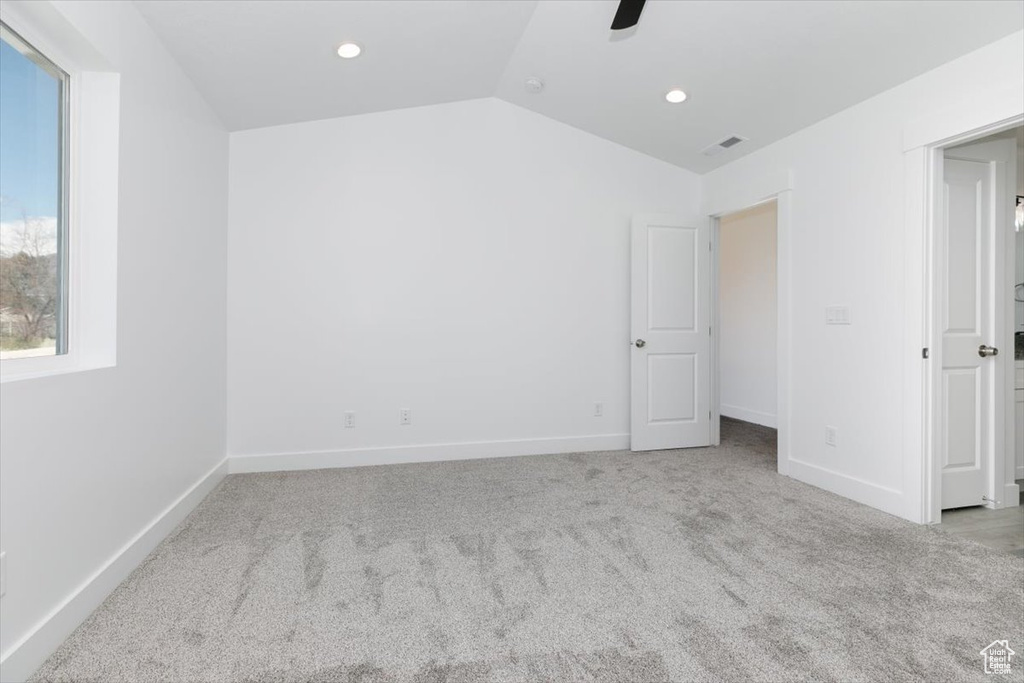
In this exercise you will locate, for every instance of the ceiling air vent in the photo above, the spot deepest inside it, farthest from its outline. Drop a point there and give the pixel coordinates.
(722, 145)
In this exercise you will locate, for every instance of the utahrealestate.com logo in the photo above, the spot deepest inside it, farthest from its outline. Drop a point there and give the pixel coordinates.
(997, 657)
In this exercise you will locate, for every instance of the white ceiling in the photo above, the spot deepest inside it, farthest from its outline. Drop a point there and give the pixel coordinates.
(755, 68)
(267, 62)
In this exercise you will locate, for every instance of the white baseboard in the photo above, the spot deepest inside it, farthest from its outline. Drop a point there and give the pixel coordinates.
(26, 655)
(1011, 496)
(747, 415)
(874, 495)
(393, 455)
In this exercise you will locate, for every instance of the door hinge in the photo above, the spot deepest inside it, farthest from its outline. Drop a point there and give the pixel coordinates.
(924, 353)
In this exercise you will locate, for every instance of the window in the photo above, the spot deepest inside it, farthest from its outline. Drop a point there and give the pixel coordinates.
(59, 139)
(33, 201)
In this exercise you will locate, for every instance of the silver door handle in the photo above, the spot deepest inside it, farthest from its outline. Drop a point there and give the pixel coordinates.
(640, 343)
(985, 351)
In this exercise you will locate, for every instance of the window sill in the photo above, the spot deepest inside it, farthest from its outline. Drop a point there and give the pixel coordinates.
(20, 369)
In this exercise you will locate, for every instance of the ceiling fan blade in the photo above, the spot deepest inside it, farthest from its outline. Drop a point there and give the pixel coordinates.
(628, 14)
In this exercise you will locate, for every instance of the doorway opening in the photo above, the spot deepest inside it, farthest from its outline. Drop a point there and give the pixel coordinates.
(675, 396)
(748, 315)
(977, 445)
(750, 298)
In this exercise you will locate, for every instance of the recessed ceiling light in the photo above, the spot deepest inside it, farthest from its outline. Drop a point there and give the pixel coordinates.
(675, 96)
(349, 50)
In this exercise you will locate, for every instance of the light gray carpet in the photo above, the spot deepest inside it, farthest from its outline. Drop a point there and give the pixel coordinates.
(700, 565)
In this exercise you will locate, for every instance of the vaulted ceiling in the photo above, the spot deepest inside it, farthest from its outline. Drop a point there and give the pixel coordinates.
(758, 69)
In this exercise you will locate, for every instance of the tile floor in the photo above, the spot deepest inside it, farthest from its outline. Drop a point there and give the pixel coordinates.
(1001, 530)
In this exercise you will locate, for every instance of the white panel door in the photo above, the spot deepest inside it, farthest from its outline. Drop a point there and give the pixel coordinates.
(671, 333)
(967, 390)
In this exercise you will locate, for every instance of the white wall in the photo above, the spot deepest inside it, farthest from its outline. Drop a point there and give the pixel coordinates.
(89, 460)
(467, 261)
(748, 315)
(847, 232)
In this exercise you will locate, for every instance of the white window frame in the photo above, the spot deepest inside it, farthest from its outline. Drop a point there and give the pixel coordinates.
(90, 246)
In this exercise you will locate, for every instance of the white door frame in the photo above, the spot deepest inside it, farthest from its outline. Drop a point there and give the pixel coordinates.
(924, 141)
(777, 187)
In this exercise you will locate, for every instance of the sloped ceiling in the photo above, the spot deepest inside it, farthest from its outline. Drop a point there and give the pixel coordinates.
(759, 69)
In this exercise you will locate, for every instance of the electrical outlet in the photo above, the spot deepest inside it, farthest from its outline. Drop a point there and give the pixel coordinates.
(598, 409)
(405, 416)
(831, 436)
(837, 315)
(3, 574)
(350, 419)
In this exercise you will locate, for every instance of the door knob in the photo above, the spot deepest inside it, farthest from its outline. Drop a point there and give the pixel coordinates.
(985, 351)
(640, 343)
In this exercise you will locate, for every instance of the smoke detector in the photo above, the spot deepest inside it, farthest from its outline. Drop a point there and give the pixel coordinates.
(534, 84)
(722, 145)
